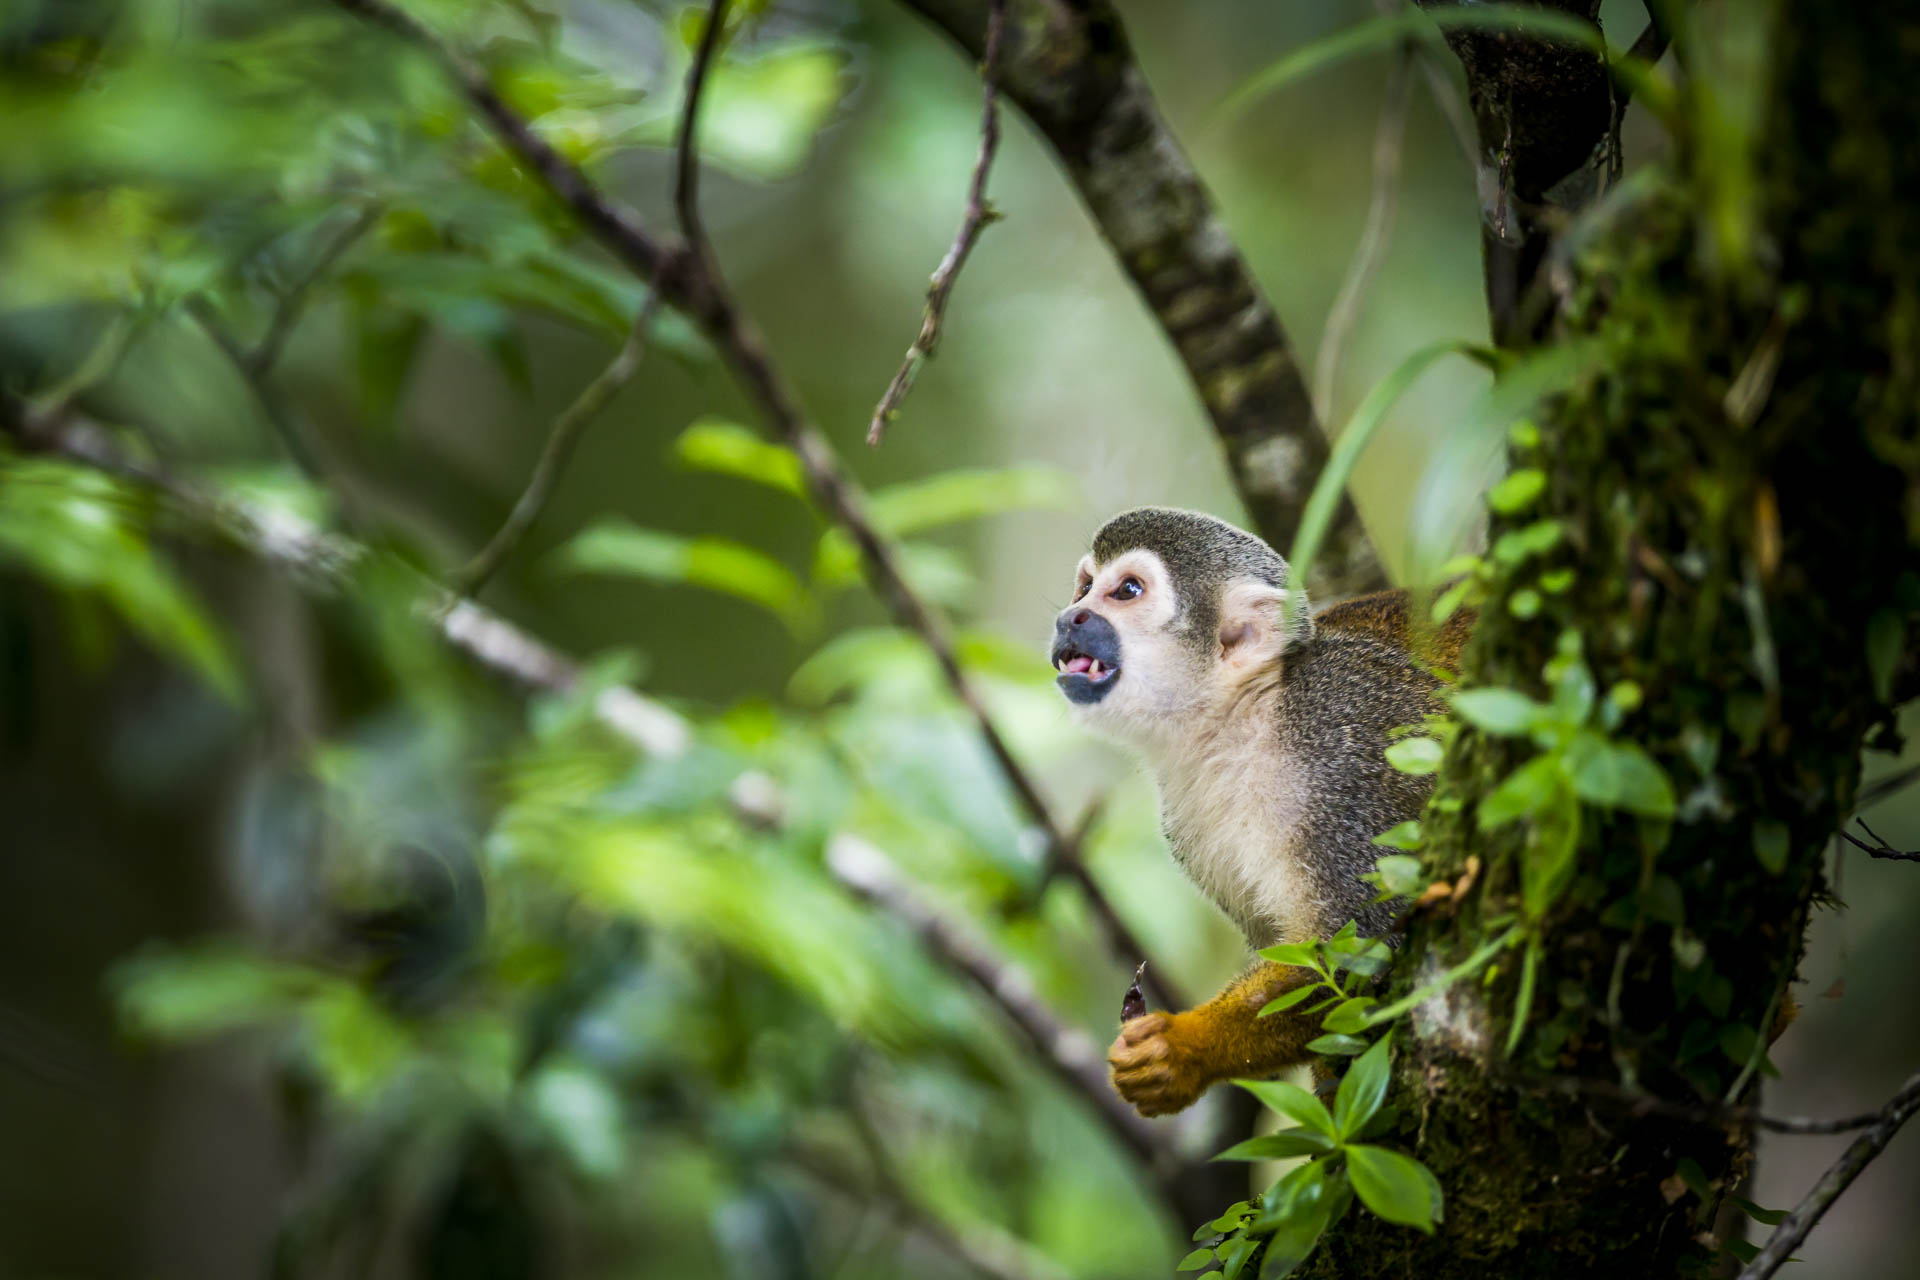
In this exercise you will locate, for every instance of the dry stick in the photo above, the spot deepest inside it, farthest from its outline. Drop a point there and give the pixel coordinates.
(1789, 1234)
(1388, 142)
(1639, 1103)
(977, 218)
(562, 437)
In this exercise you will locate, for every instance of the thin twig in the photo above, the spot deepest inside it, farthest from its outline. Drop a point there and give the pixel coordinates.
(50, 408)
(1389, 139)
(690, 280)
(979, 216)
(1880, 788)
(1637, 1102)
(293, 300)
(1879, 848)
(686, 150)
(1860, 1153)
(562, 437)
(293, 438)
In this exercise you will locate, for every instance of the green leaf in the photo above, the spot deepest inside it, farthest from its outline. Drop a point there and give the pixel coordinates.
(1547, 862)
(1336, 1046)
(1362, 1089)
(1771, 1217)
(1350, 1015)
(1293, 1102)
(1299, 954)
(1527, 790)
(1621, 775)
(1284, 1145)
(1282, 1003)
(1504, 713)
(82, 530)
(727, 448)
(1771, 843)
(1299, 1209)
(1517, 546)
(1518, 491)
(1743, 1251)
(1396, 1187)
(1195, 1260)
(616, 546)
(1401, 875)
(1233, 1257)
(1416, 756)
(1352, 441)
(1886, 640)
(1523, 999)
(1405, 836)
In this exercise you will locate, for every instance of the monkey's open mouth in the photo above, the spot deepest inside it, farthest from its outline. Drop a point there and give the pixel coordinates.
(1083, 677)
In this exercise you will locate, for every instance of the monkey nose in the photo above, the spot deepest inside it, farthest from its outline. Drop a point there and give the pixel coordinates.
(1079, 619)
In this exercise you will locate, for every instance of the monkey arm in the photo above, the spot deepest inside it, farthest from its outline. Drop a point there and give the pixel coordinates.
(1163, 1062)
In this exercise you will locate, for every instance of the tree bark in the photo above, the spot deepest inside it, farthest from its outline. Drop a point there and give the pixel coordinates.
(1736, 482)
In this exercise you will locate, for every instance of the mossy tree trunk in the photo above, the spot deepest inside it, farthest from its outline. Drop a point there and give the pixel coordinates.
(1734, 482)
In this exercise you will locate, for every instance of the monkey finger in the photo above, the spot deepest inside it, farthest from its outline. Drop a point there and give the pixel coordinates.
(1123, 1057)
(1147, 1025)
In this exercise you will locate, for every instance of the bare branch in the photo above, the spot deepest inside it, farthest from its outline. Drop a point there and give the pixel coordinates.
(1388, 140)
(977, 218)
(293, 437)
(1838, 1177)
(1069, 69)
(1879, 848)
(562, 437)
(1637, 1102)
(686, 184)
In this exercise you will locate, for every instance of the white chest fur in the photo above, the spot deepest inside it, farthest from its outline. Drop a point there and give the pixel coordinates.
(1232, 816)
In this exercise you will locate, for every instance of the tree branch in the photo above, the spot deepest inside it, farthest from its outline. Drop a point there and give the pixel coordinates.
(977, 218)
(1838, 1177)
(1069, 68)
(562, 436)
(688, 278)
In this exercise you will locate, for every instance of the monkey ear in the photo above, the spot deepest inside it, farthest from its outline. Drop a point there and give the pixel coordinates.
(1257, 625)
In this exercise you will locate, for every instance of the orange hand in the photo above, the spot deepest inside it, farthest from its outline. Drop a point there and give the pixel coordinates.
(1163, 1062)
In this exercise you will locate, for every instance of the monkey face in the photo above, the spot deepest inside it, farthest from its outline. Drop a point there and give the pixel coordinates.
(1123, 661)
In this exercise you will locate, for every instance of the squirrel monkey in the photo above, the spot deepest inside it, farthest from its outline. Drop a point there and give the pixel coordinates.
(1265, 729)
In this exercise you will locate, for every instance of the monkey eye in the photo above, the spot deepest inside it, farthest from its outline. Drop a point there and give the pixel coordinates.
(1129, 589)
(1080, 588)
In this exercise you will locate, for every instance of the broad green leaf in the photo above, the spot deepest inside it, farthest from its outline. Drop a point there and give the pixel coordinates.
(1233, 1257)
(1293, 1102)
(714, 444)
(1621, 775)
(1362, 1089)
(82, 530)
(1335, 1046)
(1299, 1208)
(1405, 836)
(1547, 862)
(1770, 1217)
(1401, 875)
(1520, 490)
(1347, 448)
(1528, 789)
(1281, 1004)
(1516, 546)
(1396, 1187)
(1195, 1260)
(1349, 1016)
(1415, 756)
(1284, 1145)
(1300, 954)
(616, 546)
(1502, 712)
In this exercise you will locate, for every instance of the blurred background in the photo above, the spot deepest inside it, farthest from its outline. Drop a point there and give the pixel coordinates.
(322, 953)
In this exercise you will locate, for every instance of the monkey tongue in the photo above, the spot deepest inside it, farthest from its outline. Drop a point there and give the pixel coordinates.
(1078, 663)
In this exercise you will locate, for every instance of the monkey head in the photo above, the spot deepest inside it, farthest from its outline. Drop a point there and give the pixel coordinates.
(1173, 613)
